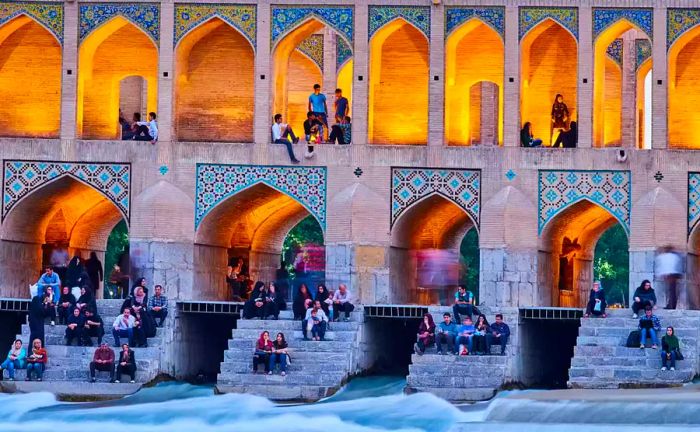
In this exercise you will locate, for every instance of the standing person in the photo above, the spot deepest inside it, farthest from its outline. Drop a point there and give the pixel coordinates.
(93, 267)
(281, 133)
(102, 360)
(66, 304)
(152, 125)
(59, 259)
(127, 364)
(340, 104)
(302, 302)
(16, 359)
(499, 334)
(670, 347)
(465, 337)
(670, 268)
(342, 302)
(464, 303)
(481, 335)
(48, 279)
(445, 333)
(426, 334)
(527, 139)
(75, 270)
(36, 319)
(644, 297)
(279, 354)
(317, 105)
(560, 116)
(36, 361)
(74, 328)
(158, 305)
(649, 324)
(596, 301)
(263, 349)
(123, 326)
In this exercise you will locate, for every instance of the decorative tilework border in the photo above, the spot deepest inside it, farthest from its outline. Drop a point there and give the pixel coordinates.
(312, 47)
(530, 17)
(286, 18)
(146, 16)
(411, 185)
(642, 53)
(419, 16)
(679, 21)
(615, 51)
(693, 201)
(242, 17)
(343, 53)
(49, 15)
(642, 18)
(494, 17)
(557, 190)
(217, 182)
(22, 178)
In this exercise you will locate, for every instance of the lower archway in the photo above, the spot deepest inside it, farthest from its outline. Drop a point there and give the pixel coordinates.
(611, 265)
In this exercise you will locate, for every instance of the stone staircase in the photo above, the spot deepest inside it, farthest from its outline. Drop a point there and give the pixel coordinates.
(601, 359)
(465, 378)
(317, 369)
(71, 363)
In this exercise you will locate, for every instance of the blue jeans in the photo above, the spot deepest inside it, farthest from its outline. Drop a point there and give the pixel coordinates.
(280, 358)
(10, 365)
(652, 332)
(35, 367)
(465, 340)
(668, 358)
(123, 333)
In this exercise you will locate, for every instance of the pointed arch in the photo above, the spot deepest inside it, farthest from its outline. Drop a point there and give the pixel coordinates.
(683, 68)
(304, 23)
(213, 17)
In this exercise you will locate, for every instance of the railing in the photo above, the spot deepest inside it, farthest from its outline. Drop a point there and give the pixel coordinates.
(210, 307)
(551, 313)
(395, 311)
(14, 305)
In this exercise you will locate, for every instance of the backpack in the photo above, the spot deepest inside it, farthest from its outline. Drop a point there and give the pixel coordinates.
(634, 339)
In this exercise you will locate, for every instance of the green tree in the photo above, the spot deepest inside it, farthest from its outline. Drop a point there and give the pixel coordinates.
(306, 232)
(117, 243)
(469, 254)
(611, 264)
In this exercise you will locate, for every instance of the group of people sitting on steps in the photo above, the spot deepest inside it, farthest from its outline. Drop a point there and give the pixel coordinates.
(469, 338)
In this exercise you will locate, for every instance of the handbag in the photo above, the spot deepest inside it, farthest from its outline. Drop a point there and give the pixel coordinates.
(679, 355)
(598, 306)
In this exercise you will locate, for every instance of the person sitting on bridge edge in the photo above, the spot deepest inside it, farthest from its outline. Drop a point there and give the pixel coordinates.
(102, 360)
(280, 134)
(596, 301)
(158, 305)
(315, 321)
(94, 327)
(65, 306)
(74, 328)
(342, 302)
(48, 279)
(426, 334)
(464, 303)
(127, 364)
(644, 297)
(649, 324)
(499, 334)
(465, 336)
(446, 332)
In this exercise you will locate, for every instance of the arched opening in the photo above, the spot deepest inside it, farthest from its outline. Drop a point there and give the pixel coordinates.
(474, 56)
(252, 224)
(214, 84)
(611, 98)
(566, 253)
(115, 50)
(399, 70)
(548, 66)
(644, 106)
(61, 219)
(30, 80)
(303, 258)
(133, 92)
(426, 244)
(611, 265)
(299, 62)
(683, 90)
(469, 262)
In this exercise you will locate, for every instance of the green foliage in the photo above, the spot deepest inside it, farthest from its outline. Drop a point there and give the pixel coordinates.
(306, 232)
(469, 253)
(611, 264)
(117, 243)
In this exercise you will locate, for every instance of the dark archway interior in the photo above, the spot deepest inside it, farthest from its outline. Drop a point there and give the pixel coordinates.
(547, 347)
(393, 341)
(204, 339)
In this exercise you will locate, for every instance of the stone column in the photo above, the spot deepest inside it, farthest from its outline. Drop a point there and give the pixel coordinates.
(489, 114)
(584, 111)
(659, 85)
(69, 84)
(436, 88)
(629, 91)
(329, 71)
(511, 81)
(263, 80)
(166, 64)
(360, 96)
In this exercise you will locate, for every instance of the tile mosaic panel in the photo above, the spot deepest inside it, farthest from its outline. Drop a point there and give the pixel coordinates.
(190, 15)
(419, 16)
(603, 18)
(49, 15)
(21, 178)
(216, 183)
(343, 53)
(286, 18)
(615, 51)
(642, 49)
(410, 185)
(679, 21)
(693, 200)
(312, 47)
(491, 16)
(146, 16)
(530, 17)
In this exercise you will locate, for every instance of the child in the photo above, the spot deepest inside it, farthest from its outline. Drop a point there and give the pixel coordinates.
(329, 302)
(315, 323)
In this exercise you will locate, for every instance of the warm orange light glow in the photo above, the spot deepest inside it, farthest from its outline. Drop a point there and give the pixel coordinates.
(549, 65)
(684, 90)
(303, 74)
(214, 84)
(641, 75)
(30, 80)
(344, 82)
(612, 107)
(398, 85)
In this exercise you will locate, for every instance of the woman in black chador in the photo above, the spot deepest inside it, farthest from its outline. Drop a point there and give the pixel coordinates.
(560, 115)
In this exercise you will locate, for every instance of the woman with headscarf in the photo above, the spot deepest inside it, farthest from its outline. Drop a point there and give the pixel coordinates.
(140, 282)
(138, 304)
(255, 306)
(274, 302)
(560, 115)
(36, 319)
(302, 301)
(75, 270)
(86, 300)
(93, 267)
(263, 349)
(322, 296)
(426, 334)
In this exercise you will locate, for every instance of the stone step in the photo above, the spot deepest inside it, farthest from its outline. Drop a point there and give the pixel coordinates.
(631, 323)
(84, 363)
(75, 351)
(326, 379)
(289, 325)
(281, 392)
(638, 362)
(440, 360)
(357, 315)
(588, 383)
(673, 313)
(473, 370)
(472, 394)
(55, 374)
(624, 331)
(99, 389)
(59, 329)
(243, 366)
(453, 381)
(622, 351)
(632, 372)
(306, 357)
(254, 334)
(55, 339)
(297, 344)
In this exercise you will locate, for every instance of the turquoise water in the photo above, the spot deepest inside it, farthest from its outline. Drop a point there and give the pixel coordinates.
(365, 405)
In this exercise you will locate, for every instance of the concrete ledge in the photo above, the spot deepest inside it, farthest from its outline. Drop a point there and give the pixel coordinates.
(71, 390)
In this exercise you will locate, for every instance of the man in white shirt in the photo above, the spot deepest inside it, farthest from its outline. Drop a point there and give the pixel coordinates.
(670, 268)
(280, 134)
(341, 302)
(123, 327)
(152, 135)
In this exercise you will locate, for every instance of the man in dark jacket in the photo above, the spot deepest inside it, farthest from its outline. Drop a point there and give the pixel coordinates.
(644, 297)
(127, 363)
(94, 327)
(499, 334)
(74, 329)
(102, 360)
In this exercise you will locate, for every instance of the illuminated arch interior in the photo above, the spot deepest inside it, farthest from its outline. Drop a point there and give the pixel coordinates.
(684, 90)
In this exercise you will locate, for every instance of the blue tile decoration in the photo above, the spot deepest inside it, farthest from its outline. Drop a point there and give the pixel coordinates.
(510, 175)
(494, 17)
(642, 48)
(146, 16)
(242, 17)
(49, 15)
(312, 47)
(611, 190)
(217, 182)
(615, 51)
(163, 170)
(693, 200)
(679, 21)
(343, 53)
(286, 18)
(21, 178)
(642, 18)
(530, 17)
(419, 16)
(410, 185)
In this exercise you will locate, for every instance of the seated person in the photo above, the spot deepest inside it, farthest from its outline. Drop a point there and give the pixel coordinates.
(140, 328)
(302, 302)
(337, 135)
(499, 334)
(158, 305)
(48, 279)
(254, 307)
(125, 127)
(127, 364)
(36, 361)
(596, 301)
(263, 349)
(86, 300)
(567, 138)
(74, 328)
(94, 327)
(445, 333)
(273, 302)
(313, 131)
(464, 303)
(280, 134)
(649, 324)
(644, 297)
(102, 360)
(342, 302)
(16, 359)
(279, 355)
(150, 133)
(527, 139)
(482, 330)
(66, 304)
(426, 334)
(465, 335)
(315, 321)
(123, 326)
(346, 127)
(49, 305)
(670, 349)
